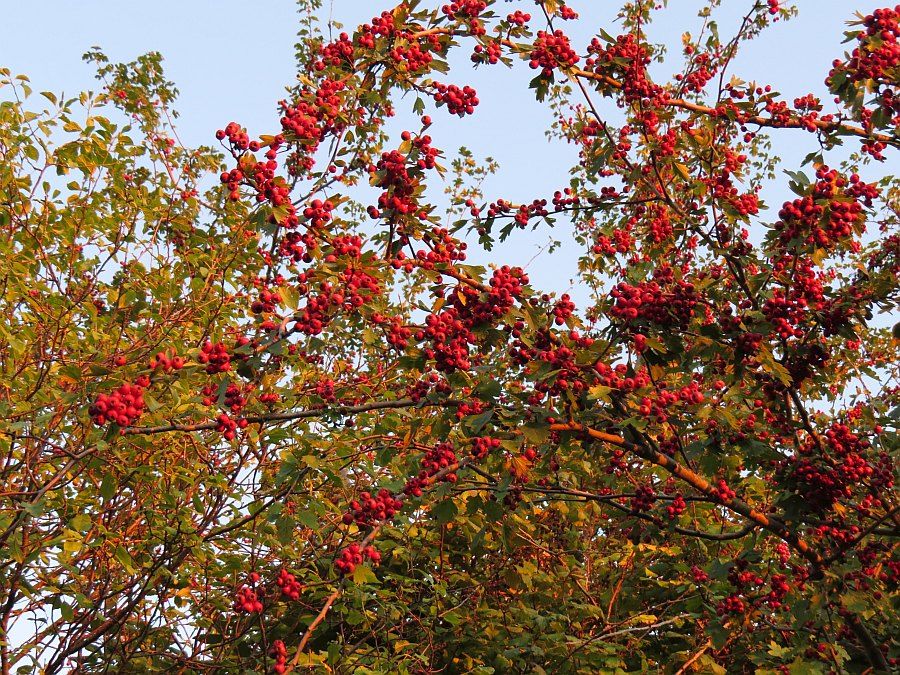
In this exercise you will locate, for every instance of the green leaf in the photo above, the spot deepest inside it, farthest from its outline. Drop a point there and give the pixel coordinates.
(35, 509)
(80, 523)
(363, 574)
(536, 434)
(289, 296)
(444, 512)
(771, 366)
(108, 486)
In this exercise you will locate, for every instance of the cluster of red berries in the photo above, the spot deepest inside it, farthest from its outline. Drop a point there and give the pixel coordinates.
(699, 575)
(786, 313)
(246, 599)
(783, 552)
(414, 55)
(301, 122)
(272, 189)
(216, 357)
(278, 651)
(354, 555)
(237, 137)
(536, 209)
(564, 198)
(450, 339)
(459, 100)
(809, 102)
(311, 118)
(318, 213)
(877, 54)
(335, 114)
(741, 577)
(722, 492)
(381, 26)
(659, 224)
(434, 461)
(779, 112)
(566, 13)
(357, 284)
(563, 309)
(518, 18)
(165, 362)
(235, 400)
(722, 188)
(698, 76)
(471, 407)
(639, 340)
(335, 53)
(232, 180)
(505, 286)
(807, 219)
(643, 499)
(628, 58)
(551, 51)
(352, 283)
(664, 398)
(123, 406)
(488, 53)
(498, 208)
(296, 246)
(228, 427)
(569, 375)
(749, 343)
(209, 394)
(780, 589)
(874, 148)
(666, 307)
(345, 245)
(617, 464)
(324, 389)
(823, 479)
(313, 318)
(370, 509)
(616, 377)
(443, 249)
(397, 334)
(290, 587)
(464, 8)
(676, 508)
(266, 302)
(620, 242)
(483, 445)
(468, 11)
(733, 604)
(393, 174)
(429, 382)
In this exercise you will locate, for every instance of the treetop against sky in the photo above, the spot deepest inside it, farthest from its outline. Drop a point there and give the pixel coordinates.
(476, 337)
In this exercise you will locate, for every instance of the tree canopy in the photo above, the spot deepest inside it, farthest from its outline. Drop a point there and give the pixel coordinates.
(282, 403)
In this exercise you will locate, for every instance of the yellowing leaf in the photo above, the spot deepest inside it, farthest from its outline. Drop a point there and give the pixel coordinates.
(363, 574)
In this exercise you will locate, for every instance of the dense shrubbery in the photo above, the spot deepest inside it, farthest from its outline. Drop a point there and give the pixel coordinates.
(282, 422)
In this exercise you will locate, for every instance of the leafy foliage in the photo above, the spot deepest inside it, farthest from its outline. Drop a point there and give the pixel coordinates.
(260, 417)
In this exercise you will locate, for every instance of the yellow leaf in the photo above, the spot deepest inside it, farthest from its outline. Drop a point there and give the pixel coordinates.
(518, 466)
(600, 392)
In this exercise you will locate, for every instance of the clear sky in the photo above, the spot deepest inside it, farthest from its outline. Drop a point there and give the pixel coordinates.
(231, 61)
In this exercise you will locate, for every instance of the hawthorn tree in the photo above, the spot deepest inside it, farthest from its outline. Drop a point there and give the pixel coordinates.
(260, 414)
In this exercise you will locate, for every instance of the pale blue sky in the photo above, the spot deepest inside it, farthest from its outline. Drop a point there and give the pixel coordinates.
(231, 60)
